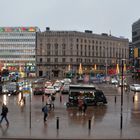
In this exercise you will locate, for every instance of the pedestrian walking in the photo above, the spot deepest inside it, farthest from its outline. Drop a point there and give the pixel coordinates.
(45, 111)
(49, 102)
(4, 114)
(84, 105)
(80, 105)
(52, 100)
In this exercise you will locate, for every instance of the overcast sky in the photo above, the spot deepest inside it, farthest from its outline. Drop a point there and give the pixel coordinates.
(100, 16)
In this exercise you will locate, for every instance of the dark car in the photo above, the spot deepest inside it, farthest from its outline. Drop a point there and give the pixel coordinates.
(89, 93)
(99, 97)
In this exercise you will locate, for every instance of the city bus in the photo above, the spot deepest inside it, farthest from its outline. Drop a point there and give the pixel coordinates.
(85, 92)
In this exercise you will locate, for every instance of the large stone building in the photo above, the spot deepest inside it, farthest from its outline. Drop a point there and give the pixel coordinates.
(136, 45)
(17, 49)
(58, 51)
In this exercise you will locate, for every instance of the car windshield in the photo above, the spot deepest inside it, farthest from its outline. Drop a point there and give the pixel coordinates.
(50, 87)
(136, 85)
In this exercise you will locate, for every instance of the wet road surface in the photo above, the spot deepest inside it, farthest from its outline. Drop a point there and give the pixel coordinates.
(105, 120)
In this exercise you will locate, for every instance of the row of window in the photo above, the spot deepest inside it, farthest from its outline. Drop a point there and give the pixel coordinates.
(81, 47)
(17, 51)
(17, 40)
(85, 53)
(81, 41)
(79, 60)
(16, 34)
(17, 56)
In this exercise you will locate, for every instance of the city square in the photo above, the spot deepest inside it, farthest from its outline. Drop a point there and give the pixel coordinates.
(69, 69)
(104, 119)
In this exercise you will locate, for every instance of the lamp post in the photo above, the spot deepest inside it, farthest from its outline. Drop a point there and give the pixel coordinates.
(121, 115)
(106, 69)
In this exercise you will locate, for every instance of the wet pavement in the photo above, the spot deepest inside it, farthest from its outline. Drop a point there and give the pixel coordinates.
(105, 120)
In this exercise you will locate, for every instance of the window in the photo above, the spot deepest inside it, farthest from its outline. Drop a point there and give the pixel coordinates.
(63, 52)
(48, 46)
(63, 59)
(56, 46)
(40, 60)
(48, 60)
(63, 46)
(48, 53)
(56, 52)
(56, 60)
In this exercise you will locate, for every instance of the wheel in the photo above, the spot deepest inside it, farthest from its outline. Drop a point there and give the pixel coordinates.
(67, 105)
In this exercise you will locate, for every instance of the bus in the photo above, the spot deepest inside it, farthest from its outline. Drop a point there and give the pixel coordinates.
(87, 92)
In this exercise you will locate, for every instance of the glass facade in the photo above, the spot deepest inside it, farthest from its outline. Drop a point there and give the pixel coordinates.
(17, 47)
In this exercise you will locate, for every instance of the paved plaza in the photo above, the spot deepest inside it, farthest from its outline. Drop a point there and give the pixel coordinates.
(105, 120)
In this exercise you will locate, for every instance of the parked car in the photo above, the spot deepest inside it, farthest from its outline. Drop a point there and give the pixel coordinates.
(65, 88)
(48, 83)
(38, 90)
(135, 87)
(11, 88)
(58, 85)
(50, 90)
(114, 81)
(124, 83)
(67, 80)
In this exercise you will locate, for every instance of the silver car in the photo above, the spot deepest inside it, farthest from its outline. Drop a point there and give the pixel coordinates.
(114, 81)
(65, 88)
(135, 87)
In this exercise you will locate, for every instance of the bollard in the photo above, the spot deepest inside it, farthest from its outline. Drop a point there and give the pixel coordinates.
(89, 124)
(24, 100)
(115, 99)
(133, 98)
(57, 122)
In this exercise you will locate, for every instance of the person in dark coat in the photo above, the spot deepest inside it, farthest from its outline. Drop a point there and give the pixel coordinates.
(4, 114)
(84, 105)
(45, 111)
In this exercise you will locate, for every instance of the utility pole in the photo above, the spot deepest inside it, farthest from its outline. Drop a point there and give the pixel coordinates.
(121, 115)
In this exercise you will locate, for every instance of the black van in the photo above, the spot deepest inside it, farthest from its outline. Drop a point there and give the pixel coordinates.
(87, 92)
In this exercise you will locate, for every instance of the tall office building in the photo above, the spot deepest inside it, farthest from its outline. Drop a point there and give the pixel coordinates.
(17, 49)
(136, 46)
(60, 51)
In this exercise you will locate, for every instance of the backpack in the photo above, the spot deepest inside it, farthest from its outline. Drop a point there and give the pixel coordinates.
(42, 109)
(53, 98)
(45, 109)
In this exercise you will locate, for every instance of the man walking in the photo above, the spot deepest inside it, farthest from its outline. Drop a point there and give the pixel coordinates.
(4, 114)
(84, 105)
(52, 100)
(45, 111)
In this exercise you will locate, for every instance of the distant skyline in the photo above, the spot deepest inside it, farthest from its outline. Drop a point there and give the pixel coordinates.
(100, 16)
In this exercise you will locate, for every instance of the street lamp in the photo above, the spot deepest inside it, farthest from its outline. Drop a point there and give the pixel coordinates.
(121, 115)
(106, 65)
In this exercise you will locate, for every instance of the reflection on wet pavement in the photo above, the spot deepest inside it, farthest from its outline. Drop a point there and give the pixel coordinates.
(105, 120)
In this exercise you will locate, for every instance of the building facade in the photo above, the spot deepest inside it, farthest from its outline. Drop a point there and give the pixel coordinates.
(17, 49)
(136, 45)
(60, 51)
